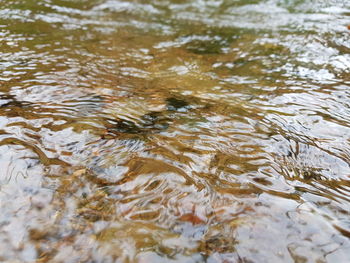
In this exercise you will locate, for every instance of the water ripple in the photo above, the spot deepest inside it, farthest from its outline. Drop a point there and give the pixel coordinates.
(144, 131)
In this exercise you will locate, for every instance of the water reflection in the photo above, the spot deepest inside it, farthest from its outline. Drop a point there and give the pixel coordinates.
(152, 131)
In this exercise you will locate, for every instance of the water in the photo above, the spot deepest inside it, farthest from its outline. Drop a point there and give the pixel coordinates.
(174, 131)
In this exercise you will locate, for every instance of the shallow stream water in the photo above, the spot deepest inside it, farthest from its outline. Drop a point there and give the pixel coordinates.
(175, 131)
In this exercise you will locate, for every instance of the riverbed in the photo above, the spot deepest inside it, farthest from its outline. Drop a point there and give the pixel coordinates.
(174, 131)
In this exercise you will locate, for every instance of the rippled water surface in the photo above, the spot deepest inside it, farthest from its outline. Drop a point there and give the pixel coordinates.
(174, 131)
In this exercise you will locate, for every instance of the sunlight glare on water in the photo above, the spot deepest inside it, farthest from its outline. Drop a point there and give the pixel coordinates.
(174, 131)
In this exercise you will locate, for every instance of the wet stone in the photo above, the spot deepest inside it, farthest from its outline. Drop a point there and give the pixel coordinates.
(174, 104)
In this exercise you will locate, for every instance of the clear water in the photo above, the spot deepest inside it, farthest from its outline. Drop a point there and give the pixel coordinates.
(174, 131)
